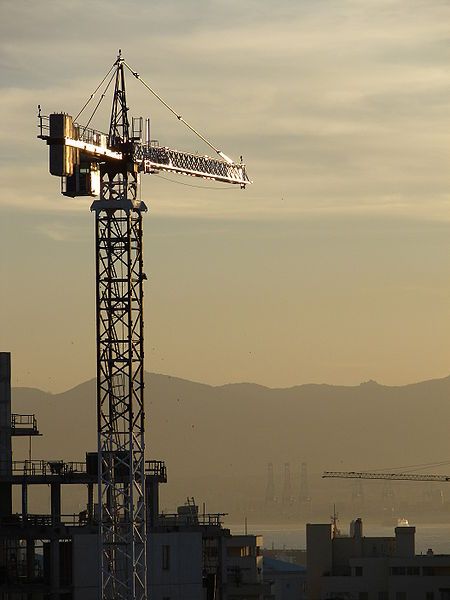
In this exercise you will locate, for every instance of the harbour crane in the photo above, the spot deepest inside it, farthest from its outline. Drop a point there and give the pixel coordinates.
(108, 166)
(385, 476)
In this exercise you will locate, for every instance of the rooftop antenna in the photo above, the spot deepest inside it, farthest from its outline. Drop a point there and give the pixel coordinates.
(335, 531)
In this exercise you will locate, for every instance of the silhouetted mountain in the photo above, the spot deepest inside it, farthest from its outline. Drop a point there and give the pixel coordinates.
(228, 433)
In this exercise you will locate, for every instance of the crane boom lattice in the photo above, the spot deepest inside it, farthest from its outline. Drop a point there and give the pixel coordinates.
(388, 476)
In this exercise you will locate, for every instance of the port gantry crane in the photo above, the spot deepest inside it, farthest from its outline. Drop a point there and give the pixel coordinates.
(384, 476)
(91, 163)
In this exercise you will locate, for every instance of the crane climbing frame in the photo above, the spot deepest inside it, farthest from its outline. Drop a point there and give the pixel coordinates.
(92, 163)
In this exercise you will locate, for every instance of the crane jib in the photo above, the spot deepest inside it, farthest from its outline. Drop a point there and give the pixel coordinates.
(164, 159)
(385, 476)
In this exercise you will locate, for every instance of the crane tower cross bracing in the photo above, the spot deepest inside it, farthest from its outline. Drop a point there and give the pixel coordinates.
(91, 163)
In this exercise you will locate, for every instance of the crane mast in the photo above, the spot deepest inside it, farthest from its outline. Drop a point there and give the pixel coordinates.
(120, 365)
(91, 163)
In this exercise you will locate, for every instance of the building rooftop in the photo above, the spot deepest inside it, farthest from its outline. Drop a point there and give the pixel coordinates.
(273, 564)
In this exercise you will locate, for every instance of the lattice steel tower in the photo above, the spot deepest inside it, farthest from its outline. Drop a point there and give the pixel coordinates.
(286, 497)
(270, 488)
(91, 163)
(120, 365)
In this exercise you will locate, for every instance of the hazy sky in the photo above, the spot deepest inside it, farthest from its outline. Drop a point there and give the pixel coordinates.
(333, 267)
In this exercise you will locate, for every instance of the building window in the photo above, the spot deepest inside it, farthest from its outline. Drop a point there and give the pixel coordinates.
(165, 558)
(412, 571)
(398, 571)
(363, 596)
(383, 595)
(358, 571)
(429, 596)
(239, 551)
(210, 551)
(400, 596)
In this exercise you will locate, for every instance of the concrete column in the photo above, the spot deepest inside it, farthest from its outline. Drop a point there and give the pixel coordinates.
(405, 541)
(54, 543)
(90, 503)
(56, 503)
(24, 503)
(30, 559)
(5, 434)
(54, 569)
(151, 500)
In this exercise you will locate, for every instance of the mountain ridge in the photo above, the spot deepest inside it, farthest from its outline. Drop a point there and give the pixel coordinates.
(250, 383)
(218, 440)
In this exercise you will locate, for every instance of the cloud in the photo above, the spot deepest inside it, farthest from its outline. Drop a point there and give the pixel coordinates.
(58, 231)
(336, 104)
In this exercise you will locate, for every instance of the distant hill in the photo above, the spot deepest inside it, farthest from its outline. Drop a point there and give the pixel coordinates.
(229, 433)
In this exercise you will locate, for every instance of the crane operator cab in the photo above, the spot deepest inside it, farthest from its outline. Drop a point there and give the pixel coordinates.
(85, 181)
(80, 175)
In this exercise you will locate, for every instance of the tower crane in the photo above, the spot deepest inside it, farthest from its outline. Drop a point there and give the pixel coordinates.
(385, 476)
(108, 166)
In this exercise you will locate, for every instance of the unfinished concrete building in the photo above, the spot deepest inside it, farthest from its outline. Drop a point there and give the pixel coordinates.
(53, 556)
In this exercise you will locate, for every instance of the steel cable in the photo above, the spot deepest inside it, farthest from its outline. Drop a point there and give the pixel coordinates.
(100, 100)
(95, 91)
(179, 117)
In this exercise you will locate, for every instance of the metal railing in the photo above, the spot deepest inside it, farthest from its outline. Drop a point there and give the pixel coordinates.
(35, 520)
(156, 468)
(44, 467)
(60, 467)
(90, 136)
(24, 422)
(43, 125)
(175, 519)
(80, 133)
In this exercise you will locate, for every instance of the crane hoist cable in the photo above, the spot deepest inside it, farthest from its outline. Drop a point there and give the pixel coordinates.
(178, 116)
(95, 91)
(418, 467)
(200, 187)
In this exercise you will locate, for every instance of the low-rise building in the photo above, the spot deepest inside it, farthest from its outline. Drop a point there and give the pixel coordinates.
(356, 567)
(287, 579)
(191, 556)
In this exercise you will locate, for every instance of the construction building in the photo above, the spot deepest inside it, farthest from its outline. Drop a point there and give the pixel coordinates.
(190, 556)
